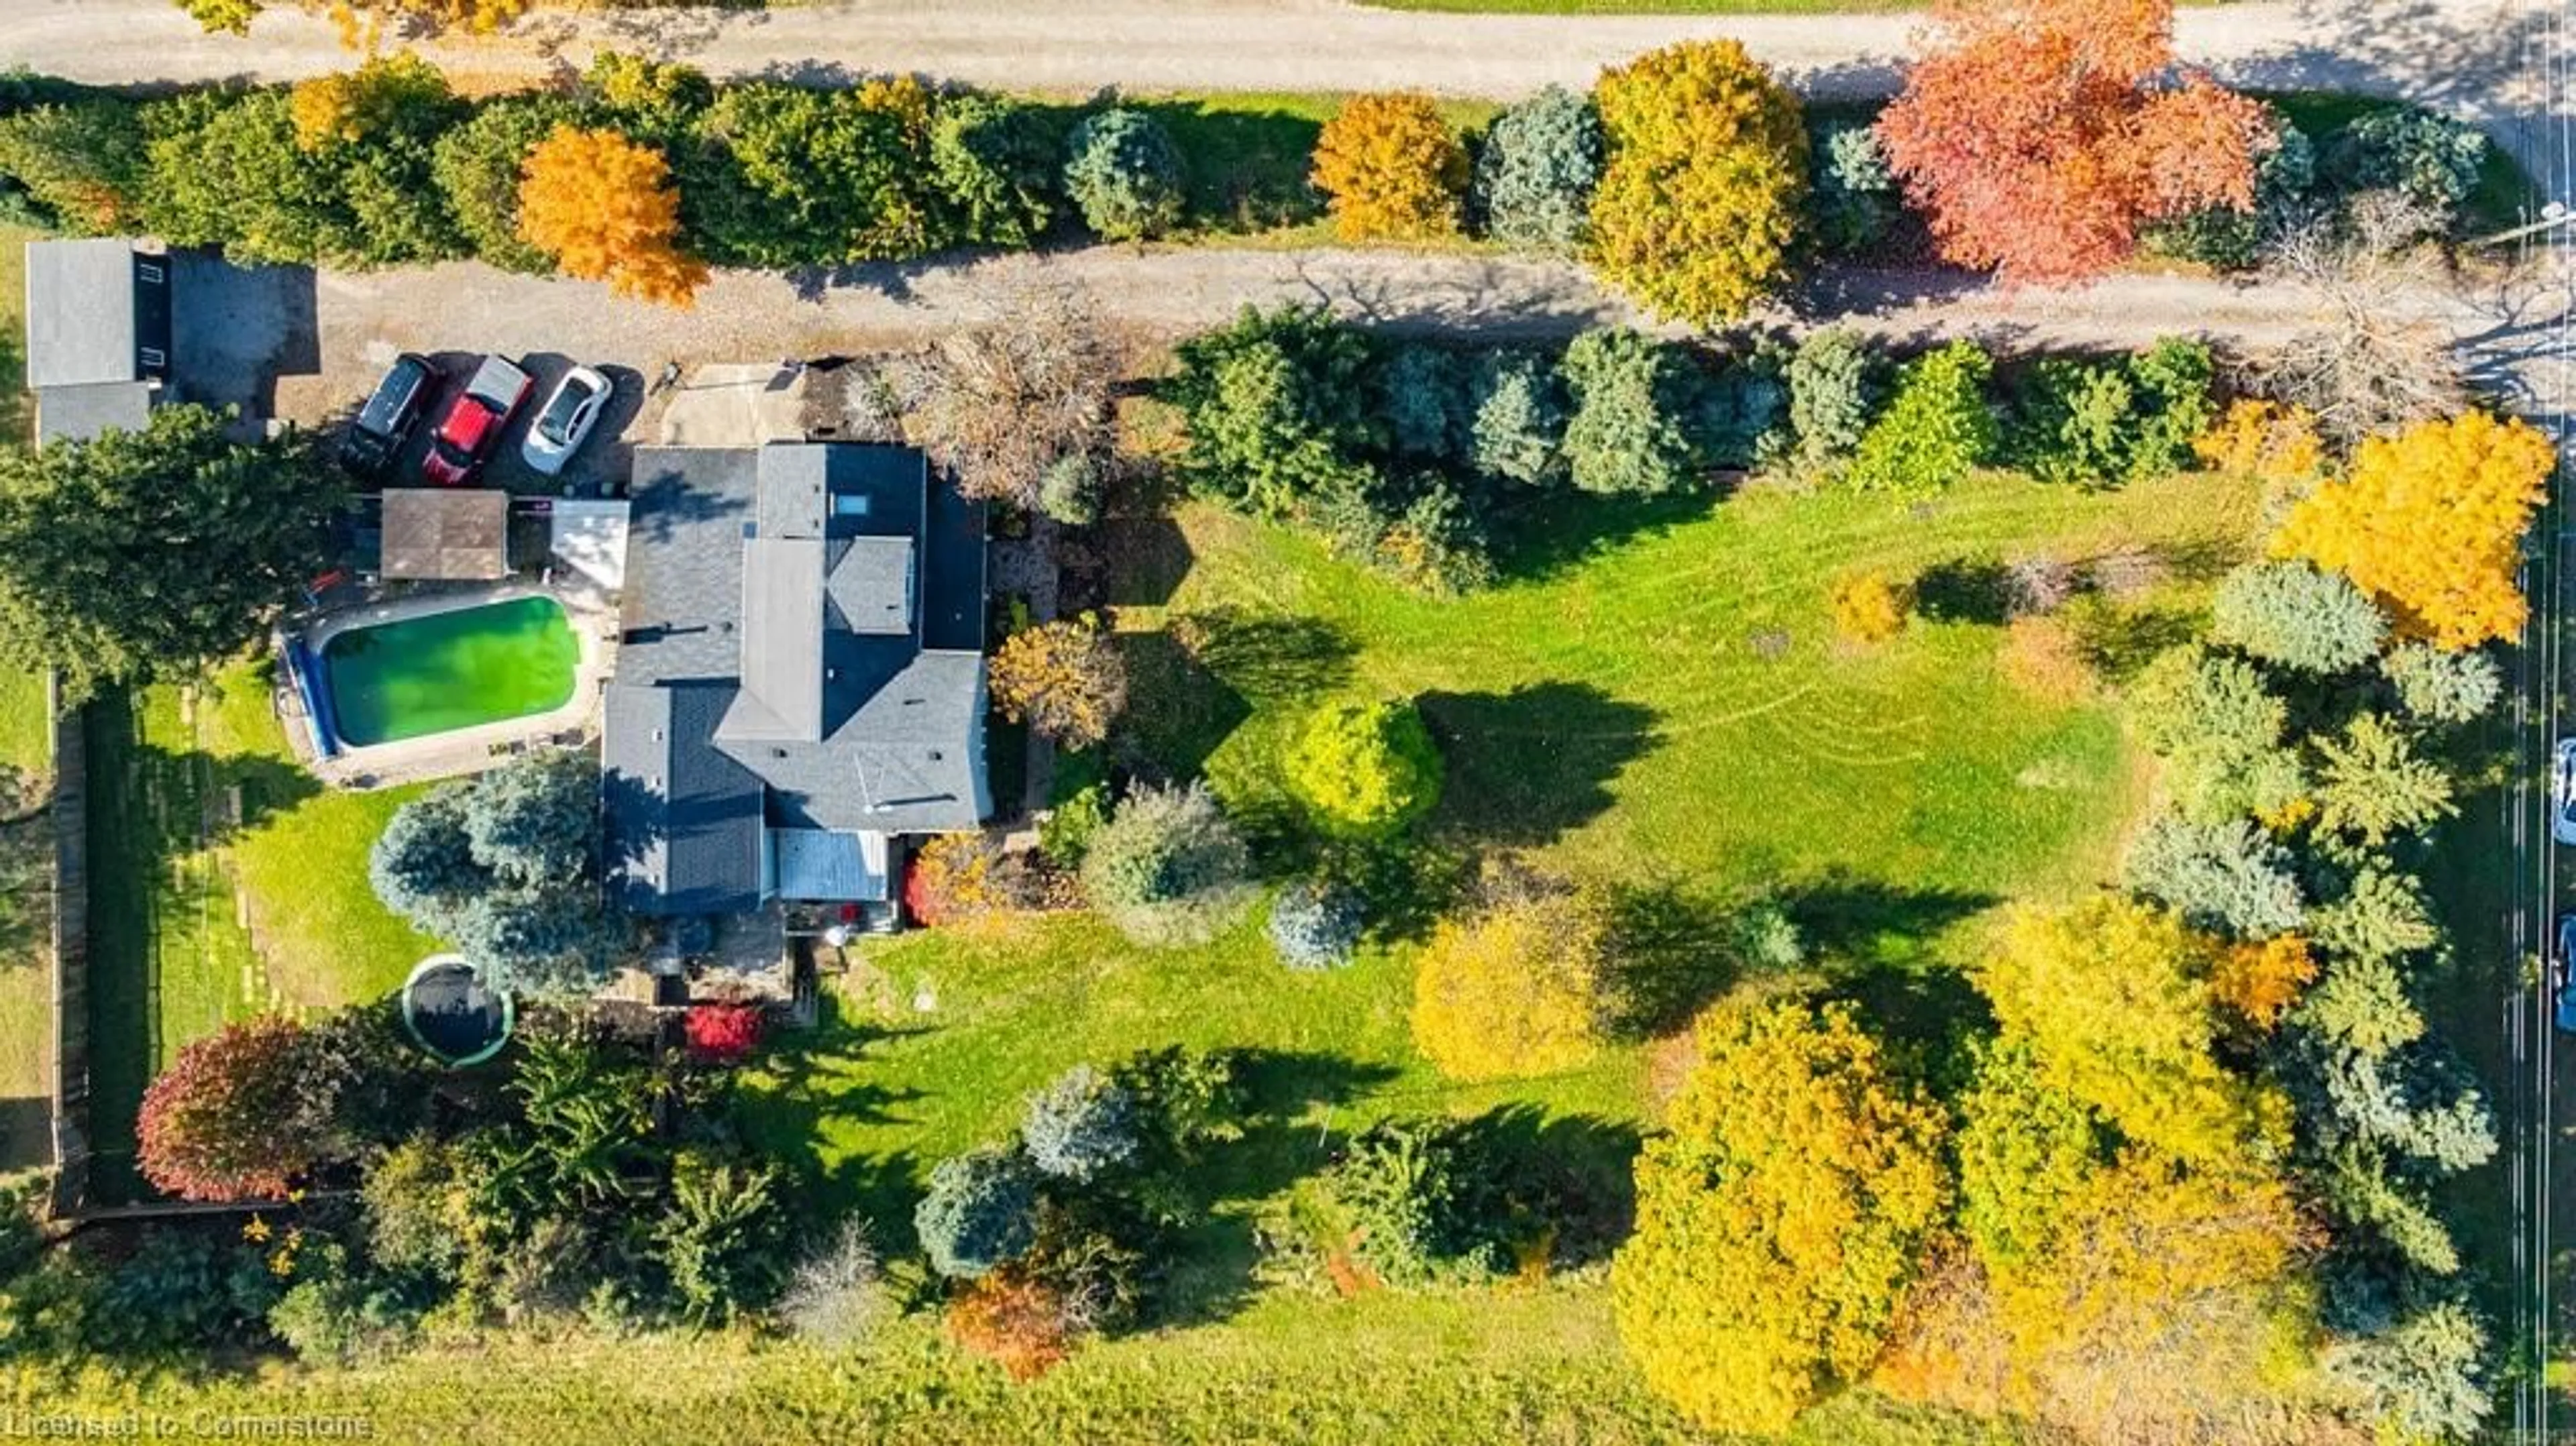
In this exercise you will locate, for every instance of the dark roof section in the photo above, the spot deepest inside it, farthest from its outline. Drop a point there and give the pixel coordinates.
(833, 595)
(98, 335)
(445, 534)
(683, 820)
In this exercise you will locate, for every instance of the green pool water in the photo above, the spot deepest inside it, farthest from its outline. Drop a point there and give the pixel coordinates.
(449, 670)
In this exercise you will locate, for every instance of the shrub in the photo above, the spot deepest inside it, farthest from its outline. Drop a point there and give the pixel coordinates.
(1422, 396)
(223, 168)
(1185, 1099)
(1631, 394)
(2043, 657)
(1079, 1126)
(81, 163)
(1517, 410)
(2228, 876)
(1520, 988)
(996, 163)
(1856, 201)
(2232, 239)
(1833, 387)
(605, 209)
(1277, 407)
(2429, 159)
(980, 1210)
(722, 1033)
(1779, 1218)
(721, 1235)
(1064, 835)
(1536, 172)
(1701, 200)
(1364, 770)
(837, 1296)
(1065, 678)
(1316, 924)
(1069, 489)
(2220, 731)
(2291, 614)
(418, 1209)
(336, 1314)
(2441, 687)
(1868, 608)
(2372, 784)
(1435, 545)
(2422, 1379)
(1124, 175)
(1410, 1201)
(960, 878)
(238, 1115)
(1015, 1321)
(1389, 168)
(781, 175)
(477, 165)
(1936, 429)
(1167, 868)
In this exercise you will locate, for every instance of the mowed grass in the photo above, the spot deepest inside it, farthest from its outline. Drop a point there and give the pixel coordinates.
(1667, 701)
(26, 904)
(224, 882)
(1489, 1366)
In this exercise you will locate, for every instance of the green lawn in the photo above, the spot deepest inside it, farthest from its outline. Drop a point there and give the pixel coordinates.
(1493, 1366)
(224, 881)
(26, 749)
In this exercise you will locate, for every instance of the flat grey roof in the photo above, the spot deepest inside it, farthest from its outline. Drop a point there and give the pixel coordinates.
(446, 534)
(80, 312)
(76, 414)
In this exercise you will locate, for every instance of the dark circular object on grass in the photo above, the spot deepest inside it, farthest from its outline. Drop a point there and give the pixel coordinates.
(451, 1012)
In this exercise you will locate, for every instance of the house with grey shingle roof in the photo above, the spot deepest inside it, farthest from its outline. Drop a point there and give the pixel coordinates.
(98, 336)
(800, 678)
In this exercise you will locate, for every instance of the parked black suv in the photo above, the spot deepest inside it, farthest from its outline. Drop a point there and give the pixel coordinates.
(385, 422)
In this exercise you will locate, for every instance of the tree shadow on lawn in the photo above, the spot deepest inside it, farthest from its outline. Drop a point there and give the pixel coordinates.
(1197, 680)
(1544, 535)
(824, 1075)
(1528, 765)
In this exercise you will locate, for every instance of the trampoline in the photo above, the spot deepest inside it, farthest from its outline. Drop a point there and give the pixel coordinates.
(450, 1012)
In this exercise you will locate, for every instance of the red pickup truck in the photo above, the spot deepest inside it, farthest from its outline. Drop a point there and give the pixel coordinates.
(473, 422)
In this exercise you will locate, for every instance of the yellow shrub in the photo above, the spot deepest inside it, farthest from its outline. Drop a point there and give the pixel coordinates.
(1516, 990)
(1390, 169)
(605, 209)
(1868, 608)
(2262, 980)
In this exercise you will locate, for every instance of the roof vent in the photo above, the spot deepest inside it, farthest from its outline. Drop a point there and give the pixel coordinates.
(934, 755)
(777, 752)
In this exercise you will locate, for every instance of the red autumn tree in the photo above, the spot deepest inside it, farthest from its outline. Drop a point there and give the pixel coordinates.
(2038, 134)
(238, 1115)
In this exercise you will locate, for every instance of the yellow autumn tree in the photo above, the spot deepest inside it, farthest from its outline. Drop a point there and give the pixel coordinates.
(2115, 1001)
(1703, 196)
(1519, 988)
(1779, 1218)
(2429, 522)
(2261, 979)
(1390, 168)
(352, 105)
(605, 209)
(1066, 679)
(363, 23)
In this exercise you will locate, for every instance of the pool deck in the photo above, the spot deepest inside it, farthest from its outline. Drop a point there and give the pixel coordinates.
(590, 610)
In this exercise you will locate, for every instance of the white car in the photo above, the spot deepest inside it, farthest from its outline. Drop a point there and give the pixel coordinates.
(2562, 792)
(565, 420)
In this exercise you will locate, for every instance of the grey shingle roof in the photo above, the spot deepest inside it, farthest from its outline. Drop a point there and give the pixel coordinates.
(862, 728)
(446, 534)
(683, 819)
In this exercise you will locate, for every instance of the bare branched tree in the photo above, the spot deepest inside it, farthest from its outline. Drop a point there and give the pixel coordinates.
(1002, 401)
(2370, 366)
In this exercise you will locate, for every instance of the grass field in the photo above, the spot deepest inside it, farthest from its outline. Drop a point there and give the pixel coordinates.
(1528, 1367)
(204, 837)
(26, 745)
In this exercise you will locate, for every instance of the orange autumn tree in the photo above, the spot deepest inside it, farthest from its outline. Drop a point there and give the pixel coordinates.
(2429, 522)
(2037, 135)
(1391, 168)
(605, 209)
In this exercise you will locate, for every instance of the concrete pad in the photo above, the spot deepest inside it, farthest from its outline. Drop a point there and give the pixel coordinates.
(736, 404)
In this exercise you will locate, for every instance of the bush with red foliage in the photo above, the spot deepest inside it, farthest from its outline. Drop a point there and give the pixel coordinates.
(722, 1033)
(238, 1115)
(2039, 134)
(1019, 1323)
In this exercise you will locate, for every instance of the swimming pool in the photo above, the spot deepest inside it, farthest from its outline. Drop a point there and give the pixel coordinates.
(437, 672)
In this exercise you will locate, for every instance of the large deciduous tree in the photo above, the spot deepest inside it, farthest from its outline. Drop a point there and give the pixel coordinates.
(2430, 522)
(605, 209)
(1066, 679)
(1520, 987)
(241, 1114)
(144, 555)
(1699, 207)
(1779, 1219)
(2039, 134)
